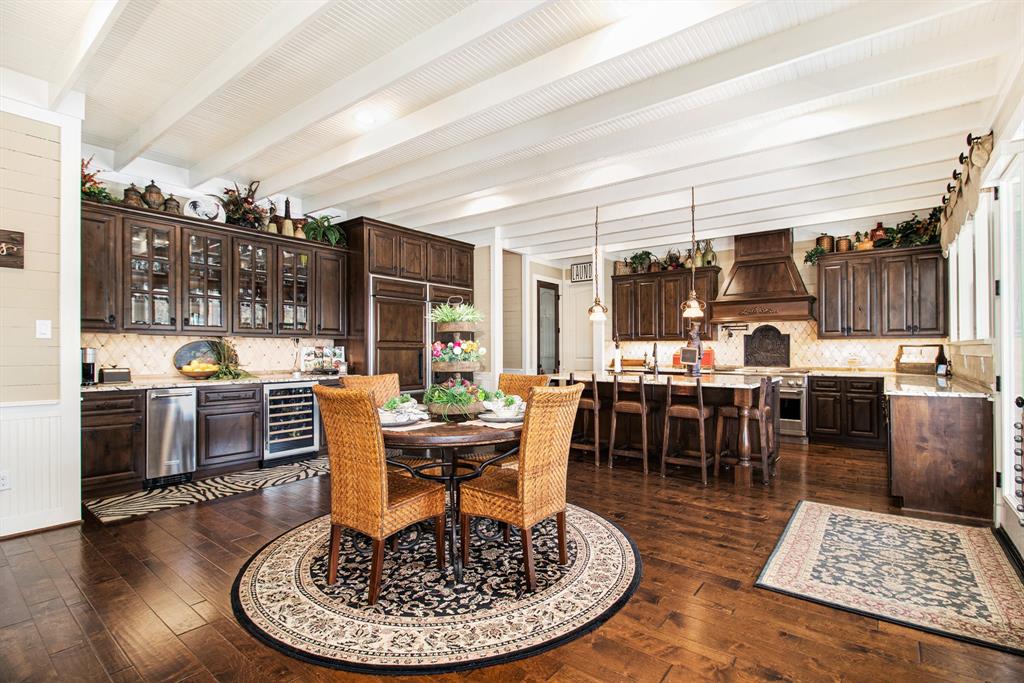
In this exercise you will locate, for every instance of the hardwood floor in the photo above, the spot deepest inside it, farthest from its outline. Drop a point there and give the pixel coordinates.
(149, 599)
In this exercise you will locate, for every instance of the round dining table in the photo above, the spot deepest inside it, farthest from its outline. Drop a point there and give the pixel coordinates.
(442, 442)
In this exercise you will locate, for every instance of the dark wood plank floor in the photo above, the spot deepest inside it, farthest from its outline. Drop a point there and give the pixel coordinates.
(149, 599)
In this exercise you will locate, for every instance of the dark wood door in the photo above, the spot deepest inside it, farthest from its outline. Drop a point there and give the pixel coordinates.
(861, 295)
(647, 308)
(929, 299)
(825, 417)
(383, 245)
(113, 444)
(399, 321)
(863, 416)
(462, 266)
(408, 361)
(895, 309)
(624, 309)
(229, 435)
(150, 275)
(331, 294)
(548, 328)
(252, 273)
(439, 258)
(832, 309)
(205, 259)
(672, 292)
(100, 298)
(413, 261)
(294, 284)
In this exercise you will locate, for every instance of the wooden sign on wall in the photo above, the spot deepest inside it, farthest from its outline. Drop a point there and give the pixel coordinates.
(12, 249)
(581, 272)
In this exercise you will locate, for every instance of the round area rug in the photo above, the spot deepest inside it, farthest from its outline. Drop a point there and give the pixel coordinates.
(423, 621)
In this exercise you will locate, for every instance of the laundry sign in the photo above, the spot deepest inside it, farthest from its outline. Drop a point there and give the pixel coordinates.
(581, 272)
(12, 249)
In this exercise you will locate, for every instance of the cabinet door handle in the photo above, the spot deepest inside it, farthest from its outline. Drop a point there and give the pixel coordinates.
(420, 368)
(137, 425)
(112, 319)
(173, 320)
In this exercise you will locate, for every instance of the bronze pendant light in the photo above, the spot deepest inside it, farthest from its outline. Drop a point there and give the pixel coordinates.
(693, 307)
(597, 312)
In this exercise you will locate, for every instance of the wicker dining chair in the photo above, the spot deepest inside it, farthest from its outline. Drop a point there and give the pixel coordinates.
(381, 387)
(365, 496)
(520, 385)
(536, 490)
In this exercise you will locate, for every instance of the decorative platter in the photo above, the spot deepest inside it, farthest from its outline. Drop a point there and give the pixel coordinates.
(398, 420)
(492, 417)
(207, 208)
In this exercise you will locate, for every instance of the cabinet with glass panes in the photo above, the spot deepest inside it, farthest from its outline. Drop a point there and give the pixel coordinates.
(295, 282)
(150, 255)
(252, 273)
(203, 255)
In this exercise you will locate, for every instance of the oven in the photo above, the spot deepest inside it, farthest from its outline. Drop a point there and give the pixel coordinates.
(793, 407)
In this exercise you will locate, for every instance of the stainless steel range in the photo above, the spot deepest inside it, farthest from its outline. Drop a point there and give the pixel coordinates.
(792, 397)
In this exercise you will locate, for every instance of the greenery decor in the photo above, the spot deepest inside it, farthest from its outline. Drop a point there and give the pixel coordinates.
(320, 229)
(499, 396)
(240, 206)
(458, 313)
(93, 189)
(398, 401)
(640, 261)
(453, 397)
(813, 254)
(913, 232)
(227, 360)
(458, 351)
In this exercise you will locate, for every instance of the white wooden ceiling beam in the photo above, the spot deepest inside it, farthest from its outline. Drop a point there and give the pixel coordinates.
(280, 24)
(457, 32)
(72, 63)
(618, 39)
(859, 23)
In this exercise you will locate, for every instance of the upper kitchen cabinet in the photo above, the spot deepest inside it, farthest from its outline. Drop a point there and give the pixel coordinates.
(253, 271)
(384, 246)
(331, 294)
(891, 293)
(150, 275)
(204, 271)
(413, 262)
(647, 307)
(394, 251)
(462, 266)
(101, 298)
(439, 263)
(294, 286)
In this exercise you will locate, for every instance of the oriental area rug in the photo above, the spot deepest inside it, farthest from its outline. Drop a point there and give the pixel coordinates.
(424, 621)
(949, 579)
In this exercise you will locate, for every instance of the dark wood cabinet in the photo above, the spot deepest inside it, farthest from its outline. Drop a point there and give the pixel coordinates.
(253, 271)
(331, 294)
(229, 428)
(439, 258)
(413, 258)
(205, 260)
(150, 258)
(900, 293)
(383, 245)
(847, 411)
(462, 266)
(648, 306)
(101, 299)
(113, 442)
(401, 340)
(294, 286)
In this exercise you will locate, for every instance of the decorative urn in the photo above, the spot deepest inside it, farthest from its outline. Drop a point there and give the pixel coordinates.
(133, 197)
(153, 197)
(172, 205)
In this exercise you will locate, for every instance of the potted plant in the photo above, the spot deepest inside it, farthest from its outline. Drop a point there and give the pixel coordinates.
(460, 355)
(454, 399)
(814, 253)
(320, 229)
(640, 261)
(240, 206)
(456, 318)
(92, 189)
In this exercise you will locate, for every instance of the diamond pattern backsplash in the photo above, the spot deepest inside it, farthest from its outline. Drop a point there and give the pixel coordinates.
(153, 355)
(806, 350)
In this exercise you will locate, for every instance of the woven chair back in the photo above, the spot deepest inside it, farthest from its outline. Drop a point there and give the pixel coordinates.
(544, 449)
(355, 447)
(380, 387)
(519, 385)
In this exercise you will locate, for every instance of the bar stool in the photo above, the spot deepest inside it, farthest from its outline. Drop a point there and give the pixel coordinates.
(764, 415)
(588, 406)
(629, 407)
(687, 413)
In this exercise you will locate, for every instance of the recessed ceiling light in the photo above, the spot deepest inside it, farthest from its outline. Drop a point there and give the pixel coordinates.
(365, 118)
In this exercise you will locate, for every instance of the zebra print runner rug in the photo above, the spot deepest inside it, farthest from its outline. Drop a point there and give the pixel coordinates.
(125, 505)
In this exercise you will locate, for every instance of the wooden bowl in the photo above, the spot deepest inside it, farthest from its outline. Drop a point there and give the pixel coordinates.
(447, 411)
(205, 374)
(472, 328)
(457, 366)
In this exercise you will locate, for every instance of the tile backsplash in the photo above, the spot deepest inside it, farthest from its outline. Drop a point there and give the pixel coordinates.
(153, 355)
(806, 350)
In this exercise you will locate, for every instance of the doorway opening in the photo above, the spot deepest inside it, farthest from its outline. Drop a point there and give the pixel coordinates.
(548, 328)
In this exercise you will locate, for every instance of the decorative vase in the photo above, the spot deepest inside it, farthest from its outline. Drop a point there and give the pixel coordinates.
(698, 256)
(133, 197)
(172, 205)
(688, 260)
(878, 232)
(710, 257)
(654, 267)
(153, 197)
(844, 244)
(287, 227)
(300, 233)
(271, 224)
(826, 242)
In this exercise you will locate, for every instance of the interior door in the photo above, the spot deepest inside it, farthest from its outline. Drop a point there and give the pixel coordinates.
(547, 328)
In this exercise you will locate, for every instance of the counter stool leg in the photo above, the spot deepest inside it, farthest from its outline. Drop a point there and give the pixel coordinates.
(597, 438)
(719, 432)
(611, 443)
(643, 438)
(664, 442)
(703, 452)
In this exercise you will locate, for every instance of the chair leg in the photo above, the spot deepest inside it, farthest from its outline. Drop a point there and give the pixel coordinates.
(464, 538)
(531, 574)
(762, 427)
(643, 438)
(333, 549)
(703, 452)
(376, 569)
(504, 531)
(563, 555)
(393, 542)
(439, 540)
(597, 439)
(719, 433)
(664, 442)
(611, 442)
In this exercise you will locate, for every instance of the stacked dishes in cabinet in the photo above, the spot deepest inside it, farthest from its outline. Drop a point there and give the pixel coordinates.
(292, 420)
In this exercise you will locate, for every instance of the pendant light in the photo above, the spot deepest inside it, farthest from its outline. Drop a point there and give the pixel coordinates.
(693, 307)
(598, 312)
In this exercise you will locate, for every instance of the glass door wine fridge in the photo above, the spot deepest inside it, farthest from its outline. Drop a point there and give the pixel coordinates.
(292, 420)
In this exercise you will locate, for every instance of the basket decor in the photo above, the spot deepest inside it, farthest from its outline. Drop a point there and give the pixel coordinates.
(473, 328)
(456, 366)
(449, 410)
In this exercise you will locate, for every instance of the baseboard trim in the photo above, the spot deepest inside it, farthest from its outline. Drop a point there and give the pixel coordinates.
(1011, 550)
(40, 530)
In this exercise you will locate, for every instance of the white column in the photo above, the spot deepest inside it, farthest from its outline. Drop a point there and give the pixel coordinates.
(497, 305)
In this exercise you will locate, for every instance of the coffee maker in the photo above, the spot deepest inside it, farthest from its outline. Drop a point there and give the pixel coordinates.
(88, 366)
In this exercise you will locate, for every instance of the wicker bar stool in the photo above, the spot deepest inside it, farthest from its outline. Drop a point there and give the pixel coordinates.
(635, 405)
(767, 455)
(686, 413)
(589, 406)
(519, 385)
(365, 497)
(536, 490)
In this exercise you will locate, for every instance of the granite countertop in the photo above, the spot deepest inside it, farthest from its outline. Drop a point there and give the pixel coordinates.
(930, 385)
(167, 382)
(730, 381)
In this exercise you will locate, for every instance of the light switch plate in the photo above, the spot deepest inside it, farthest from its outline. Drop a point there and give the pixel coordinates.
(44, 329)
(5, 480)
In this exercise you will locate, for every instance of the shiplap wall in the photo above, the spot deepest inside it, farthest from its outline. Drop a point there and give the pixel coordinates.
(482, 295)
(512, 327)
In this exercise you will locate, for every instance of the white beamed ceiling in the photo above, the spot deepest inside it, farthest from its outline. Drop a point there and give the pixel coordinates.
(525, 114)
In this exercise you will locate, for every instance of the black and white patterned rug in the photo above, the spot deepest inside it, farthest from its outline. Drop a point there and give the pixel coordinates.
(424, 622)
(126, 505)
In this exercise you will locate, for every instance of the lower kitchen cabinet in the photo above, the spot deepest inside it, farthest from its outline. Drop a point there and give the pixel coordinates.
(846, 411)
(113, 442)
(229, 428)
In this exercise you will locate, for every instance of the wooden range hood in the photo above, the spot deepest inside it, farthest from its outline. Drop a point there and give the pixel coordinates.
(764, 283)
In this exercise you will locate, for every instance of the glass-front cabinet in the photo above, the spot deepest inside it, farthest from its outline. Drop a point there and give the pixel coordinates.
(254, 292)
(204, 271)
(295, 268)
(150, 272)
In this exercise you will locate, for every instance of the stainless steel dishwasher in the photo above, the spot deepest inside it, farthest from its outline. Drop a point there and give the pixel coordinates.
(170, 435)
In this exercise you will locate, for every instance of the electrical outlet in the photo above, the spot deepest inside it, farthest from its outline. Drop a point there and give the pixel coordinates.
(5, 480)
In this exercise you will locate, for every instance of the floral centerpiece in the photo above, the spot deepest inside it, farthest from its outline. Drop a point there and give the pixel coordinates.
(93, 189)
(240, 206)
(454, 398)
(458, 351)
(456, 317)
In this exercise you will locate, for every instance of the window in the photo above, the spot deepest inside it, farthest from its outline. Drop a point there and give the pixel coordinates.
(970, 276)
